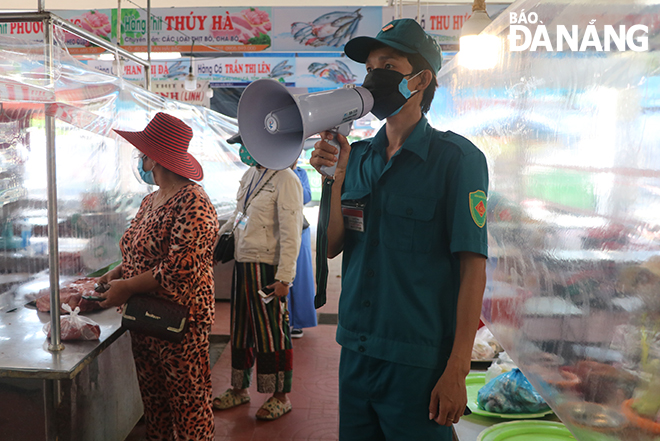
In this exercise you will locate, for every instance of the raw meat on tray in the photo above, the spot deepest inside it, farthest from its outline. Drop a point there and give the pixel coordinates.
(71, 293)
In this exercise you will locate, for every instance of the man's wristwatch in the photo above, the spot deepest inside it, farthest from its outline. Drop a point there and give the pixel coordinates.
(284, 283)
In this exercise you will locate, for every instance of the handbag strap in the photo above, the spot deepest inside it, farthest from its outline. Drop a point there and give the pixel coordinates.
(247, 204)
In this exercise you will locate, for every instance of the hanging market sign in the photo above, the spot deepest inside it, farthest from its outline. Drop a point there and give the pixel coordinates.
(96, 21)
(198, 29)
(241, 71)
(444, 22)
(328, 72)
(160, 70)
(174, 90)
(248, 29)
(322, 29)
(308, 72)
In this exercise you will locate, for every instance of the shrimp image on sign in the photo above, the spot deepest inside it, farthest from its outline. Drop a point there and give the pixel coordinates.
(336, 71)
(331, 29)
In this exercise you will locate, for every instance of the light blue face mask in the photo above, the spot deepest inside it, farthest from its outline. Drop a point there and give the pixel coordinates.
(147, 176)
(403, 90)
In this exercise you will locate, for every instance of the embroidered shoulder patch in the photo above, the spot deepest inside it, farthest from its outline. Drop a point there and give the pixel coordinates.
(478, 207)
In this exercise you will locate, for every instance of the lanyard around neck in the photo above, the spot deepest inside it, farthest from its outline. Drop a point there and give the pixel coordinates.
(251, 189)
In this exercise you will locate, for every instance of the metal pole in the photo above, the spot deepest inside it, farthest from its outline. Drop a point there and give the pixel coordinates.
(147, 70)
(42, 5)
(117, 59)
(51, 182)
(419, 11)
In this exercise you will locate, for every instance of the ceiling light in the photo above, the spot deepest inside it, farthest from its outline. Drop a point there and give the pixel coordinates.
(478, 51)
(478, 21)
(190, 82)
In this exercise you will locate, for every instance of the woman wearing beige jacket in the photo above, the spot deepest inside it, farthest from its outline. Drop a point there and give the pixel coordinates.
(268, 219)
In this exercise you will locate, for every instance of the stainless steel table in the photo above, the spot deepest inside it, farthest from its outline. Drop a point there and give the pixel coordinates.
(88, 391)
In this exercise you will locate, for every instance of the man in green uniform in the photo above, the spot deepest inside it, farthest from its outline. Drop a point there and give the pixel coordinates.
(409, 213)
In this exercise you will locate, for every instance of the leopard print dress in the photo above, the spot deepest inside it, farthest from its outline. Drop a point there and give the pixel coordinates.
(174, 242)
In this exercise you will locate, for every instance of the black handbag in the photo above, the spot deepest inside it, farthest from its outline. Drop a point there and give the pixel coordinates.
(224, 249)
(156, 317)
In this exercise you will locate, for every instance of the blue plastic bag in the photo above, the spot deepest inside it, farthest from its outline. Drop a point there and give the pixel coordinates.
(511, 392)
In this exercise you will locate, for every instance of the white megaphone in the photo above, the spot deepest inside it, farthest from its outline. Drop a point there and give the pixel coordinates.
(274, 123)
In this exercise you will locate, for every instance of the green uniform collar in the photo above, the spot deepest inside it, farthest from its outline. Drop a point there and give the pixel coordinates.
(418, 142)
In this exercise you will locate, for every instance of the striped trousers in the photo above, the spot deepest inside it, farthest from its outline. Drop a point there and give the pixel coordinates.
(257, 327)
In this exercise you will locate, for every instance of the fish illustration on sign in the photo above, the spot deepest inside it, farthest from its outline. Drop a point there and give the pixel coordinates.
(331, 29)
(336, 71)
(281, 70)
(177, 69)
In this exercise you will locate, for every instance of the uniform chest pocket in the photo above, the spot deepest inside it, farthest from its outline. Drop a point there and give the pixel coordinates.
(408, 224)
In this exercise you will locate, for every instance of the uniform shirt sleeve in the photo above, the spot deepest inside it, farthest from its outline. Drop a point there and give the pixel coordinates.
(289, 213)
(466, 213)
(192, 235)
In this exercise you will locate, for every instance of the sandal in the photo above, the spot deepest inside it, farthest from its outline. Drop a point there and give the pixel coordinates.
(229, 399)
(275, 409)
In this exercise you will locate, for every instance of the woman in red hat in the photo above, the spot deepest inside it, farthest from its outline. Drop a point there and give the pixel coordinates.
(167, 252)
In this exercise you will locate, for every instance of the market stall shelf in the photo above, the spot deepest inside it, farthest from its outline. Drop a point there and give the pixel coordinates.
(86, 391)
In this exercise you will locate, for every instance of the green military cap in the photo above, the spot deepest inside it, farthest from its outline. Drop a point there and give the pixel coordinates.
(405, 35)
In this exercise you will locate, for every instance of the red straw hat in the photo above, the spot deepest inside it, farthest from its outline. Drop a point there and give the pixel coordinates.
(165, 140)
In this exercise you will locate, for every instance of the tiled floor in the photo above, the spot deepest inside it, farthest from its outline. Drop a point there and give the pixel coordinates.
(314, 396)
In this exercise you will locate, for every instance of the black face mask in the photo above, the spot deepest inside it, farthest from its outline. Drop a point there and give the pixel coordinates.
(384, 85)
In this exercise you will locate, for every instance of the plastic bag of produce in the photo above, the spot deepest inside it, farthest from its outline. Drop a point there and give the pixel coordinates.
(75, 327)
(511, 392)
(485, 346)
(502, 364)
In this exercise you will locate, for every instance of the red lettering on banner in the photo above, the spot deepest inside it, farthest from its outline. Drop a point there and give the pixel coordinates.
(179, 23)
(190, 26)
(169, 20)
(459, 20)
(219, 24)
(132, 70)
(201, 19)
(264, 68)
(439, 22)
(228, 24)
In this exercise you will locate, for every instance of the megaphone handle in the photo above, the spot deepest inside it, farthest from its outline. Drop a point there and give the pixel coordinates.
(330, 171)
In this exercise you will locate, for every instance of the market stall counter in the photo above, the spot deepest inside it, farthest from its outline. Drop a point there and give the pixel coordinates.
(470, 426)
(88, 391)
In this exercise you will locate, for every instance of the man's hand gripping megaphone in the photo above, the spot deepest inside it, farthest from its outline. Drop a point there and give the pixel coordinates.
(330, 155)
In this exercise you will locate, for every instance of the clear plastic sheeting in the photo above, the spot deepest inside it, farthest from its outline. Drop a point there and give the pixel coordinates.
(572, 137)
(97, 190)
